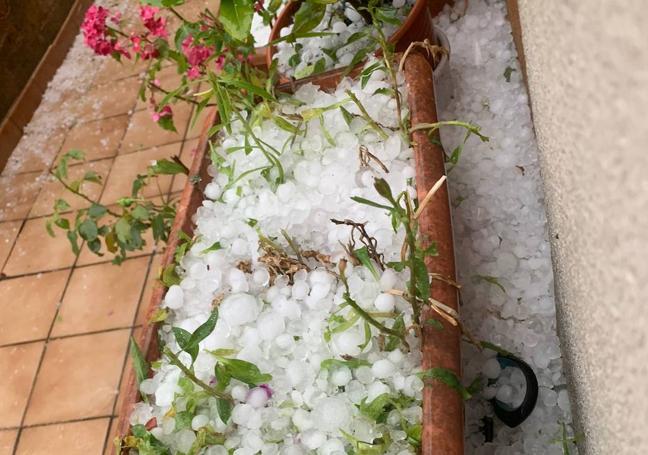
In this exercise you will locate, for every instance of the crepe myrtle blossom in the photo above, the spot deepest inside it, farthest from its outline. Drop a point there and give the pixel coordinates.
(142, 47)
(98, 36)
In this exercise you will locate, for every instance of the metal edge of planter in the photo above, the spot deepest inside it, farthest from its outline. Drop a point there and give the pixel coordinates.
(442, 405)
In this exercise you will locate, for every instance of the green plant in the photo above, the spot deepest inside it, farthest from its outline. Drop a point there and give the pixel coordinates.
(117, 229)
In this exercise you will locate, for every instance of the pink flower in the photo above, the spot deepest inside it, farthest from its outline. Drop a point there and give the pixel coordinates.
(220, 62)
(157, 27)
(97, 35)
(193, 73)
(196, 54)
(162, 113)
(258, 6)
(116, 17)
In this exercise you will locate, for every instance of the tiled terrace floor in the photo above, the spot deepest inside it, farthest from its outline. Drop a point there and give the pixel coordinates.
(66, 321)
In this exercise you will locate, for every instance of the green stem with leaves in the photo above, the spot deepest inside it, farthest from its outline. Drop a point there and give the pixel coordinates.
(174, 360)
(372, 123)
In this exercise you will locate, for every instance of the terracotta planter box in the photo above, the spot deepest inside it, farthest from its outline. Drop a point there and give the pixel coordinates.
(442, 406)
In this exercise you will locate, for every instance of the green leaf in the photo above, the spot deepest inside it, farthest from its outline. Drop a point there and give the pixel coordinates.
(414, 433)
(182, 336)
(72, 237)
(140, 213)
(166, 123)
(364, 201)
(366, 73)
(329, 364)
(159, 228)
(215, 247)
(378, 409)
(96, 211)
(362, 254)
(383, 188)
(508, 72)
(88, 230)
(140, 365)
(183, 420)
(392, 341)
(492, 280)
(384, 91)
(236, 17)
(160, 315)
(224, 409)
(447, 377)
(244, 371)
(168, 167)
(92, 176)
(123, 230)
(348, 117)
(61, 205)
(422, 278)
(285, 124)
(307, 17)
(170, 276)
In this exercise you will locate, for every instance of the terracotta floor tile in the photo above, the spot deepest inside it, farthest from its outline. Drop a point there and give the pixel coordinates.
(187, 157)
(78, 378)
(113, 70)
(7, 441)
(74, 438)
(8, 234)
(101, 297)
(34, 152)
(97, 139)
(37, 297)
(18, 365)
(152, 283)
(110, 99)
(36, 251)
(125, 170)
(53, 189)
(144, 133)
(17, 194)
(168, 79)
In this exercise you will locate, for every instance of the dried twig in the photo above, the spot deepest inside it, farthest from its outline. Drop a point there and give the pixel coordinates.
(429, 195)
(366, 157)
(370, 242)
(434, 51)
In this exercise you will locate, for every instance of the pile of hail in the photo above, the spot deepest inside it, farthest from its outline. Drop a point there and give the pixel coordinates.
(292, 327)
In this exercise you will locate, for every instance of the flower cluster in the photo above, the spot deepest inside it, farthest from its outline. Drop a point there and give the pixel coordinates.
(196, 54)
(98, 36)
(156, 26)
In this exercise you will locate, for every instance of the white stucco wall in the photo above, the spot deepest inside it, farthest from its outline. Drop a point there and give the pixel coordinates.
(587, 64)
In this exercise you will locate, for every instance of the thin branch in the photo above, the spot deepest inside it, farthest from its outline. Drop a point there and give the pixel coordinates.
(366, 115)
(83, 196)
(174, 360)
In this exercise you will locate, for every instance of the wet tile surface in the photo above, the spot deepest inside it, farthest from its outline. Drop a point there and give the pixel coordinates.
(28, 306)
(18, 365)
(78, 378)
(74, 438)
(66, 321)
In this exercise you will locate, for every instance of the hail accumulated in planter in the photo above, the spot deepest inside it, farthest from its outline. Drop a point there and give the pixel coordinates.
(500, 234)
(334, 42)
(315, 377)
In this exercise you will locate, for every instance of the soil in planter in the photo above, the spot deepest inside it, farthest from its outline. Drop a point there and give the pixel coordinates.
(503, 254)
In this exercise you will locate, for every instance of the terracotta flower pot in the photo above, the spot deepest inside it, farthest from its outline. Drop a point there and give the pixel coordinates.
(442, 405)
